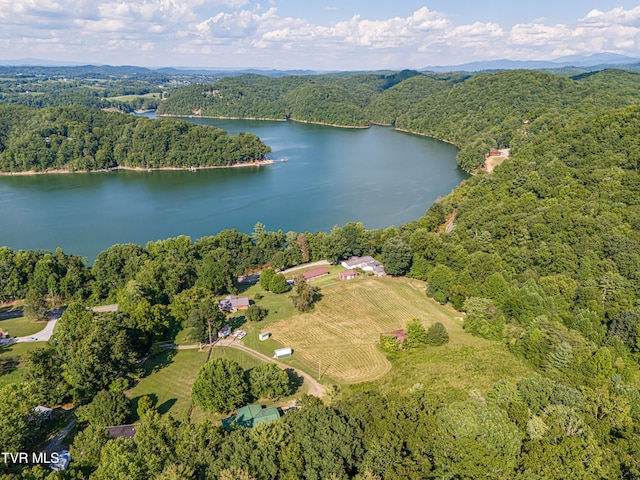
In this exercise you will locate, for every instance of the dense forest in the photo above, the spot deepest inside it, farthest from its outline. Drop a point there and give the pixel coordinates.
(336, 99)
(78, 138)
(543, 257)
(475, 112)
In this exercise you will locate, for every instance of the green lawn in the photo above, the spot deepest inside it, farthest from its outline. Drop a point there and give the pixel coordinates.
(21, 326)
(13, 362)
(170, 375)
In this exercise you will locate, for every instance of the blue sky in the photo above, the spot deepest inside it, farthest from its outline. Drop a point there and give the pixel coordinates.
(319, 35)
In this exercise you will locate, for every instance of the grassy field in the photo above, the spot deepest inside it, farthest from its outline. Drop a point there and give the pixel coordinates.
(170, 375)
(124, 98)
(13, 362)
(340, 338)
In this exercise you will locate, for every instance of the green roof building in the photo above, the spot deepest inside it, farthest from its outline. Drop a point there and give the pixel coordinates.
(251, 415)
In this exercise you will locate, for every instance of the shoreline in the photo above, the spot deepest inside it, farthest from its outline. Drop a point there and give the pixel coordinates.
(262, 119)
(426, 135)
(257, 163)
(472, 173)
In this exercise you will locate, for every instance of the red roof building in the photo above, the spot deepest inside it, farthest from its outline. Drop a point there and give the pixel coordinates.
(315, 272)
(348, 275)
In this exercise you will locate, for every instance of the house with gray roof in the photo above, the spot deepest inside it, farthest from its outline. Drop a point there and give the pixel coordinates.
(366, 263)
(232, 304)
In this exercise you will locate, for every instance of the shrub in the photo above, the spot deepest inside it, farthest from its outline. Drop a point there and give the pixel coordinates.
(255, 313)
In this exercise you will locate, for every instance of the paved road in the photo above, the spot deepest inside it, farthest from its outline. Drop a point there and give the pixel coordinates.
(43, 335)
(255, 277)
(307, 265)
(55, 444)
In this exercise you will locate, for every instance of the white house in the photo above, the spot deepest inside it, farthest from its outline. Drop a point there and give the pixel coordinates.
(366, 263)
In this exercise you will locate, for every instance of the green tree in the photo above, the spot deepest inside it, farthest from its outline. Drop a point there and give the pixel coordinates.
(17, 428)
(475, 440)
(95, 349)
(278, 284)
(106, 409)
(46, 388)
(86, 447)
(396, 256)
(483, 318)
(437, 335)
(220, 386)
(255, 313)
(536, 392)
(265, 278)
(216, 272)
(439, 282)
(268, 381)
(304, 295)
(561, 357)
(145, 405)
(35, 305)
(206, 319)
(120, 460)
(416, 334)
(625, 326)
(329, 444)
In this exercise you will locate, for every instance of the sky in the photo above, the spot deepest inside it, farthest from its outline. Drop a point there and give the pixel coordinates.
(314, 35)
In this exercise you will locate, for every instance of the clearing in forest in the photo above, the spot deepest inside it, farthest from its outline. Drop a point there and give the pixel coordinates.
(340, 336)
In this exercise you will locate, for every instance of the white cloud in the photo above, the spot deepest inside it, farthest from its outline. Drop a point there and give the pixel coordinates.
(617, 16)
(253, 35)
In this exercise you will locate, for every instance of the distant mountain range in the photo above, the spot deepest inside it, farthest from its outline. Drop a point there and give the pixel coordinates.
(597, 59)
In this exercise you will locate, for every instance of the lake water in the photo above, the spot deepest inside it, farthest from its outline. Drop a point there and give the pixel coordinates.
(376, 176)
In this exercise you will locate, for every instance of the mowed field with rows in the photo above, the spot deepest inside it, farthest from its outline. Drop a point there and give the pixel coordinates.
(341, 335)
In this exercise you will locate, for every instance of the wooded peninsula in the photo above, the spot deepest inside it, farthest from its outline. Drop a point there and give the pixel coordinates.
(508, 336)
(83, 139)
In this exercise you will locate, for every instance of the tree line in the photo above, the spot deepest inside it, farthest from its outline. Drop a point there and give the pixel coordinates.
(77, 138)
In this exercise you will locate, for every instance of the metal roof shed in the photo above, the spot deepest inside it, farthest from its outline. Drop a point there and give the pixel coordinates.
(282, 352)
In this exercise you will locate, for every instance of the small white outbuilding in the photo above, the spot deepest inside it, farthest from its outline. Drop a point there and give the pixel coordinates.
(282, 352)
(264, 335)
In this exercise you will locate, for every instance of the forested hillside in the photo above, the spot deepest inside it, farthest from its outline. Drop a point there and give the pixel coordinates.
(338, 99)
(542, 256)
(76, 138)
(474, 112)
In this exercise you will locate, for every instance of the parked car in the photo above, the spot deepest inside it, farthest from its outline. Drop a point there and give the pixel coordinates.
(63, 457)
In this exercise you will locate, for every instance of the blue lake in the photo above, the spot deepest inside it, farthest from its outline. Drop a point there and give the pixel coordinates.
(376, 176)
